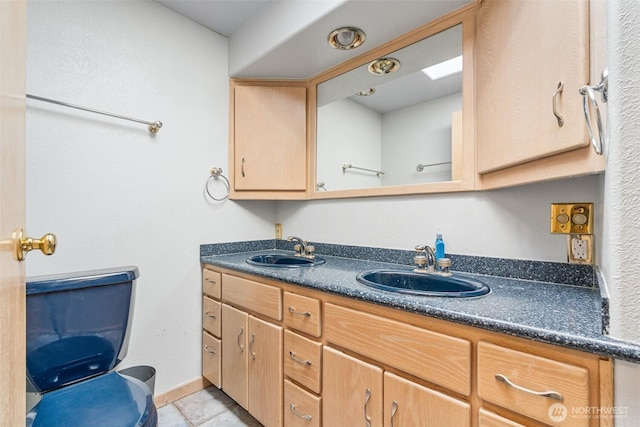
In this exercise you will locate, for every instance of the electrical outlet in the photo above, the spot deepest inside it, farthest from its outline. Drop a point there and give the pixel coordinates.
(278, 231)
(580, 248)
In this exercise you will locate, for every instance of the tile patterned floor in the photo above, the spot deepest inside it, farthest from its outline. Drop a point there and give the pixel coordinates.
(207, 408)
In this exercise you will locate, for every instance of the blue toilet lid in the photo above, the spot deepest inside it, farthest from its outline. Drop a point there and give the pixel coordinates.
(109, 400)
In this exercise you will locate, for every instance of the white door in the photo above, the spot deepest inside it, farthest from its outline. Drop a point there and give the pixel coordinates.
(12, 210)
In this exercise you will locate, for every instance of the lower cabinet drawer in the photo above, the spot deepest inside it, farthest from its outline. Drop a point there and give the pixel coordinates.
(211, 316)
(534, 386)
(303, 360)
(435, 357)
(255, 296)
(211, 282)
(489, 419)
(301, 408)
(302, 313)
(211, 359)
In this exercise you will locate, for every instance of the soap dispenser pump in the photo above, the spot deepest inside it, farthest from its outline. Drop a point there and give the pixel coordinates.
(439, 247)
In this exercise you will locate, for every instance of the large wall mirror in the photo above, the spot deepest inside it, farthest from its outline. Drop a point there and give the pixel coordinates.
(400, 132)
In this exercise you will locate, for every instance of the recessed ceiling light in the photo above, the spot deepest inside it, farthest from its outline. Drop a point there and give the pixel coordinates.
(346, 38)
(444, 69)
(384, 66)
(368, 92)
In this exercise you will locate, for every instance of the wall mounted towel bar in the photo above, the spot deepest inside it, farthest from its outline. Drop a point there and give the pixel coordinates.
(421, 167)
(153, 127)
(589, 98)
(346, 166)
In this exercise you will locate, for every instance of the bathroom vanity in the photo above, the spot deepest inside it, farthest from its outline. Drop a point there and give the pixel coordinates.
(314, 347)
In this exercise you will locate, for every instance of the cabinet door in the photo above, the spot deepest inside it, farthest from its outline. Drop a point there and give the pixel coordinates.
(265, 372)
(234, 354)
(352, 391)
(270, 138)
(409, 404)
(524, 49)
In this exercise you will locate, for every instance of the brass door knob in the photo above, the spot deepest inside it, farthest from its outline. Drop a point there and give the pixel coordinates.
(24, 244)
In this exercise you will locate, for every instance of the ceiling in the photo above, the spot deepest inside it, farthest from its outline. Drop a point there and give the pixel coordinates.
(286, 39)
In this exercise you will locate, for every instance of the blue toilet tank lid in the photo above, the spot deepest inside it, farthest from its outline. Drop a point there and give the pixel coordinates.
(81, 279)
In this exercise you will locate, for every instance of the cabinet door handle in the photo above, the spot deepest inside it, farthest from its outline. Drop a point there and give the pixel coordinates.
(242, 167)
(213, 282)
(210, 314)
(238, 340)
(394, 409)
(367, 396)
(299, 414)
(550, 393)
(555, 110)
(299, 313)
(209, 350)
(304, 362)
(251, 340)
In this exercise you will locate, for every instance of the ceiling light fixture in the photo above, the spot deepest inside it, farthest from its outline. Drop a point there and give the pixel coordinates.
(444, 69)
(384, 66)
(368, 92)
(346, 38)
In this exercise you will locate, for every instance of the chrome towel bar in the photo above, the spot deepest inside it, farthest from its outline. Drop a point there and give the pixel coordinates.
(153, 127)
(346, 166)
(589, 98)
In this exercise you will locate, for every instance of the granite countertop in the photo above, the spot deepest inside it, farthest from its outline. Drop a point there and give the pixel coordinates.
(565, 315)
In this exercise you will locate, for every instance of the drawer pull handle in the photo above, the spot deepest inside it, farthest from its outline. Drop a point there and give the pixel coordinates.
(394, 409)
(303, 313)
(367, 396)
(209, 350)
(304, 362)
(251, 340)
(299, 414)
(213, 282)
(238, 340)
(550, 394)
(210, 314)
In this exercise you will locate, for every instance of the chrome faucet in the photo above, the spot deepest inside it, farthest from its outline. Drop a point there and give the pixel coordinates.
(302, 248)
(425, 263)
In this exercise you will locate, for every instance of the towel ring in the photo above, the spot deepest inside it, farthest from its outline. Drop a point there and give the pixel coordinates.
(216, 173)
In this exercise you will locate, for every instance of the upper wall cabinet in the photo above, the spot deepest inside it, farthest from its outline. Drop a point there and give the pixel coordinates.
(532, 60)
(268, 140)
(384, 124)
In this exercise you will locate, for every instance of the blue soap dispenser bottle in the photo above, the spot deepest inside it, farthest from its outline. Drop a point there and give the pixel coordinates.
(439, 246)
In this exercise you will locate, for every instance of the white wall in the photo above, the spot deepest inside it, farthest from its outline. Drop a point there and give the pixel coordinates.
(621, 265)
(114, 194)
(418, 134)
(340, 142)
(508, 223)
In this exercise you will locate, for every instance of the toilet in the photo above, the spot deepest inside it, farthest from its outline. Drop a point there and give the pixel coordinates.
(77, 333)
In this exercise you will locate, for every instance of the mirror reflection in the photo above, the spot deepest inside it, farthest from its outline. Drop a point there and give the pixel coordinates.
(404, 127)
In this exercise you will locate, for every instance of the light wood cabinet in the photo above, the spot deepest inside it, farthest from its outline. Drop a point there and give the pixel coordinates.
(303, 314)
(439, 373)
(265, 372)
(409, 404)
(235, 367)
(530, 385)
(252, 364)
(524, 50)
(356, 392)
(489, 419)
(301, 408)
(211, 359)
(352, 393)
(435, 357)
(268, 139)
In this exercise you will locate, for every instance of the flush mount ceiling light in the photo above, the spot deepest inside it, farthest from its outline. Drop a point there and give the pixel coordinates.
(346, 38)
(384, 66)
(368, 92)
(444, 69)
